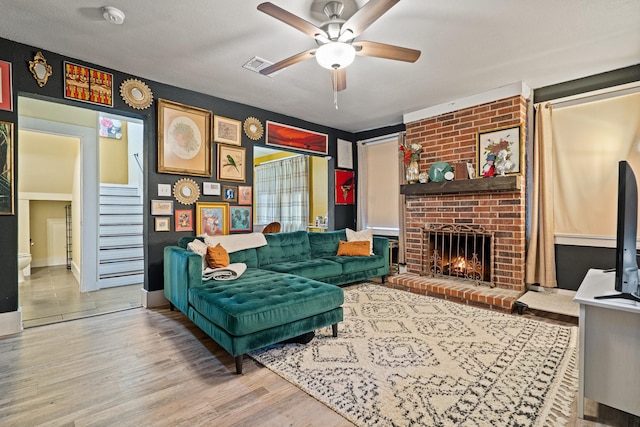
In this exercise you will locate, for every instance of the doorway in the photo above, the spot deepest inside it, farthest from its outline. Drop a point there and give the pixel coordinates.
(318, 185)
(61, 187)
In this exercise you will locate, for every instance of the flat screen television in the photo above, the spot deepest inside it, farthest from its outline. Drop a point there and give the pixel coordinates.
(626, 282)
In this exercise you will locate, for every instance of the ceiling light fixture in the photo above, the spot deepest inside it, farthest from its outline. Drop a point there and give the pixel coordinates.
(335, 55)
(113, 15)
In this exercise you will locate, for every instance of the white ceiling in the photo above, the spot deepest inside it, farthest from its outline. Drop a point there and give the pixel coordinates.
(468, 47)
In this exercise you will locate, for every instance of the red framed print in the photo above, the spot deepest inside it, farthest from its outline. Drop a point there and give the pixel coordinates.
(184, 220)
(292, 137)
(240, 218)
(345, 187)
(6, 86)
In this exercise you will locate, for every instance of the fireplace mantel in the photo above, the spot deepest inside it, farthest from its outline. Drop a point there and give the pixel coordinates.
(499, 183)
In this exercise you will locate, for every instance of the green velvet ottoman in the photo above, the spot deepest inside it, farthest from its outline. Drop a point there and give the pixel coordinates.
(263, 308)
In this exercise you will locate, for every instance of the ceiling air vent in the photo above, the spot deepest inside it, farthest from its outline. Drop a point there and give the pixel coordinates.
(256, 64)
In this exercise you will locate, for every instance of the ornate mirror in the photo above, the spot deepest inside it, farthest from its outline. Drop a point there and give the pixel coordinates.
(186, 191)
(40, 69)
(136, 94)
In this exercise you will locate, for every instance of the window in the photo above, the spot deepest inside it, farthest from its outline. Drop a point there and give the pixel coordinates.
(379, 186)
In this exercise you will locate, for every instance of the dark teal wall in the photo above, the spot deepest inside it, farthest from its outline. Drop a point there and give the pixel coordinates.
(24, 84)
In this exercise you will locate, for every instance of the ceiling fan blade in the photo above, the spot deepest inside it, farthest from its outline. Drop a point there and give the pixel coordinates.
(364, 17)
(299, 57)
(386, 51)
(339, 79)
(290, 19)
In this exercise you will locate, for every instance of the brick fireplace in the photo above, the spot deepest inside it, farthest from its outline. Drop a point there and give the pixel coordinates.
(497, 204)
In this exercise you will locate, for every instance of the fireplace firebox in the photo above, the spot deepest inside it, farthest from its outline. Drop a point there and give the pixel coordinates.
(458, 251)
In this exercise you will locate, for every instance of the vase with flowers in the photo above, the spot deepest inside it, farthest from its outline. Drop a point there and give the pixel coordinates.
(410, 156)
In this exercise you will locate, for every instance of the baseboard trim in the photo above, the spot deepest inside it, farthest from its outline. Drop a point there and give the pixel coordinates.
(153, 299)
(11, 322)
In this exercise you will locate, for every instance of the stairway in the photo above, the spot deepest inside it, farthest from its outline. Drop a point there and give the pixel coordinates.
(121, 251)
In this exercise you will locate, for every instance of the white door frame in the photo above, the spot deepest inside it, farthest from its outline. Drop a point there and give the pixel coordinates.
(89, 191)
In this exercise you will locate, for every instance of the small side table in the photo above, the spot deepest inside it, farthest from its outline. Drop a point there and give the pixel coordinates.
(393, 266)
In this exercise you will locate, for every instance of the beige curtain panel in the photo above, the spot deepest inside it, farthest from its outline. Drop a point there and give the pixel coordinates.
(540, 262)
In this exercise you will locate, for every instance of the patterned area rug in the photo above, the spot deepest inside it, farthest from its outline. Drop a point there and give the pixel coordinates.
(402, 359)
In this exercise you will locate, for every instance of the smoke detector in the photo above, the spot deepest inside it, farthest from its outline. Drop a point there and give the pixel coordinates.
(113, 15)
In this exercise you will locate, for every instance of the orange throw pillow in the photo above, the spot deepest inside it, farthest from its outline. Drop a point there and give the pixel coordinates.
(217, 257)
(357, 248)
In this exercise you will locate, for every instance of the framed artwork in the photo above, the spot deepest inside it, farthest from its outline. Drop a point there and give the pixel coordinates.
(162, 207)
(211, 188)
(6, 168)
(500, 152)
(212, 218)
(184, 220)
(162, 224)
(345, 154)
(227, 131)
(345, 187)
(6, 86)
(184, 139)
(244, 195)
(231, 163)
(292, 137)
(88, 85)
(230, 193)
(240, 218)
(109, 128)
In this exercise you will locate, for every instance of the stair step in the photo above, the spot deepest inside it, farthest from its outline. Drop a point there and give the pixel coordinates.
(119, 190)
(120, 200)
(121, 219)
(121, 209)
(120, 230)
(120, 241)
(121, 268)
(108, 255)
(122, 281)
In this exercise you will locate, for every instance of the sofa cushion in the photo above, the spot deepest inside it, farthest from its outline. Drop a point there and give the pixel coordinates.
(246, 256)
(317, 269)
(325, 244)
(262, 299)
(353, 249)
(292, 246)
(362, 235)
(357, 264)
(217, 256)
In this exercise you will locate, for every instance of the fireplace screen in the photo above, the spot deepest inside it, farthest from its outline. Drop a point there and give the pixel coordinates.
(458, 251)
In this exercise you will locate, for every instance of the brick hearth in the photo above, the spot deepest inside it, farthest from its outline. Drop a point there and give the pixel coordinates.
(452, 138)
(456, 290)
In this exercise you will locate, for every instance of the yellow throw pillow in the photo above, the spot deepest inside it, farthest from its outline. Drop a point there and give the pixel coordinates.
(357, 248)
(217, 257)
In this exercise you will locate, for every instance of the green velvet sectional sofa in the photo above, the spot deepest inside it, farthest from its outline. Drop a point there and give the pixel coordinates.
(289, 288)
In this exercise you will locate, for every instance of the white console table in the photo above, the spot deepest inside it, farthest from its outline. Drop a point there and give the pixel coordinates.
(609, 358)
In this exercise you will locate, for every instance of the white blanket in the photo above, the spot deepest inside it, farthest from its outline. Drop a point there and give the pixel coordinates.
(230, 272)
(237, 242)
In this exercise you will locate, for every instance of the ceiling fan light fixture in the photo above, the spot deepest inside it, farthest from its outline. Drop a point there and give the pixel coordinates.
(335, 55)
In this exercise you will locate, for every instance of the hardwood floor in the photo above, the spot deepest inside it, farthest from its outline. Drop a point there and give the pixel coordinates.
(154, 367)
(51, 294)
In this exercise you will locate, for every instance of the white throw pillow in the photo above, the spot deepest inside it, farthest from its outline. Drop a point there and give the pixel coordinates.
(358, 236)
(199, 247)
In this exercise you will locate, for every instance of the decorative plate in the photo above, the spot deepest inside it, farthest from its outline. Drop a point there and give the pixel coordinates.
(253, 128)
(186, 191)
(136, 94)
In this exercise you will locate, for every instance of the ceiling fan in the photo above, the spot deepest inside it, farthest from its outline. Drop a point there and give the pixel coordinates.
(335, 37)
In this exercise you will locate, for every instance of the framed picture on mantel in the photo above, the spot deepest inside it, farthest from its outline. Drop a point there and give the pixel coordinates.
(499, 152)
